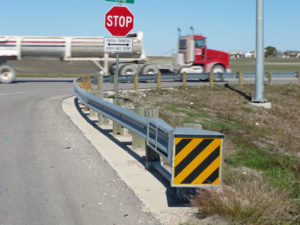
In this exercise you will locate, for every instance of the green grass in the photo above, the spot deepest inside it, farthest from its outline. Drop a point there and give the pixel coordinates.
(175, 108)
(281, 171)
(222, 126)
(199, 114)
(271, 64)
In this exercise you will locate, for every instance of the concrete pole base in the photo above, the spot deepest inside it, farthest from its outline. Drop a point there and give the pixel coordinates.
(266, 105)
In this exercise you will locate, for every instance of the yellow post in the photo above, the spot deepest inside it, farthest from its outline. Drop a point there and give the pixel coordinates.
(98, 83)
(159, 80)
(211, 79)
(184, 79)
(240, 79)
(270, 78)
(89, 81)
(136, 81)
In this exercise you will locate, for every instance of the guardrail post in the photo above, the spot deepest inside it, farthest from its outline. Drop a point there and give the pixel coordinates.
(192, 125)
(99, 83)
(151, 156)
(92, 112)
(102, 120)
(269, 78)
(240, 79)
(158, 80)
(117, 129)
(137, 141)
(184, 79)
(298, 73)
(136, 81)
(211, 79)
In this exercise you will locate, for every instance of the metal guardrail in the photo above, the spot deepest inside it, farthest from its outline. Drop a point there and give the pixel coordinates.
(156, 132)
(191, 77)
(165, 141)
(282, 75)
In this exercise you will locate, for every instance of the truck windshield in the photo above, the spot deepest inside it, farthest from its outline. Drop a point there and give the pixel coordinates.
(199, 43)
(182, 44)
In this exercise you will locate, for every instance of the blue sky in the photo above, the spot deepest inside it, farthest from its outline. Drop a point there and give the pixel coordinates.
(228, 25)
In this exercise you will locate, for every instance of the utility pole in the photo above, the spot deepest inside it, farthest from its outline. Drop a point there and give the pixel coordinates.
(259, 81)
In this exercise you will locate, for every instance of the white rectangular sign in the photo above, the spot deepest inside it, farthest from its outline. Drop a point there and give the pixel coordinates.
(117, 44)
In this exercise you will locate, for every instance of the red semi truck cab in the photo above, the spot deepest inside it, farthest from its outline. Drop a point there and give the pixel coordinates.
(197, 55)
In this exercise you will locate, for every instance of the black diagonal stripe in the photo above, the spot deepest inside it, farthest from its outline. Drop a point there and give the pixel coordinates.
(182, 144)
(212, 177)
(189, 179)
(187, 160)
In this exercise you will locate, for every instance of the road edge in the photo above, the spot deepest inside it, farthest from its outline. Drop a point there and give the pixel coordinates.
(146, 187)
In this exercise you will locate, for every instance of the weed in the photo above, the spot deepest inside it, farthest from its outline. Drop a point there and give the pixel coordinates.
(247, 201)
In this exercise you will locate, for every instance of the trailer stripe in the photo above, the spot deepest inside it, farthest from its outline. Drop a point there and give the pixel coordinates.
(7, 45)
(60, 46)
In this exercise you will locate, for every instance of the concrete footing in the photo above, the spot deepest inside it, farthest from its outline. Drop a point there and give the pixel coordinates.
(266, 105)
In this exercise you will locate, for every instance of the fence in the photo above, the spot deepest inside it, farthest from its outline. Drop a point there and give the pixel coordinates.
(240, 77)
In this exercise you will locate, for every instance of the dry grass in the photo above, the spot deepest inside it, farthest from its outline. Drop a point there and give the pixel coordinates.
(278, 127)
(264, 144)
(247, 202)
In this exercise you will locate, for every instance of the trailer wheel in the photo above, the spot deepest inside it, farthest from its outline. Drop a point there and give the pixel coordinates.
(149, 69)
(128, 69)
(218, 69)
(7, 74)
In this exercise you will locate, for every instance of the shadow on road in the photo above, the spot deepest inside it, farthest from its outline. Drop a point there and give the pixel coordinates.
(171, 193)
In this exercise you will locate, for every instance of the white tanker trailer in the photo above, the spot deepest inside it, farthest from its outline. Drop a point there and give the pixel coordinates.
(193, 55)
(68, 49)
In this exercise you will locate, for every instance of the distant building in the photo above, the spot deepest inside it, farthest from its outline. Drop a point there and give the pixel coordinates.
(251, 54)
(291, 54)
(236, 54)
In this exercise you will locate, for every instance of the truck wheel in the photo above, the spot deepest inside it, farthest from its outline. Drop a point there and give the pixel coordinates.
(149, 69)
(128, 69)
(7, 74)
(218, 69)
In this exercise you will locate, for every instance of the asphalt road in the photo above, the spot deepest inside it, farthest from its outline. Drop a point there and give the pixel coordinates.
(49, 172)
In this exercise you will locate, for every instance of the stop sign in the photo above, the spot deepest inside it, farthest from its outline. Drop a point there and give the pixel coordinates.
(119, 21)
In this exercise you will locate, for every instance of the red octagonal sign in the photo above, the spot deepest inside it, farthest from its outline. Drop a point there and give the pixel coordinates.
(119, 21)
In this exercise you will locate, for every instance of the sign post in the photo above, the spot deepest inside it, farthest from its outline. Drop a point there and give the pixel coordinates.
(119, 22)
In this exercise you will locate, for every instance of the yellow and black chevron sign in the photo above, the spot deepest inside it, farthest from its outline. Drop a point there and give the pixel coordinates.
(197, 161)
